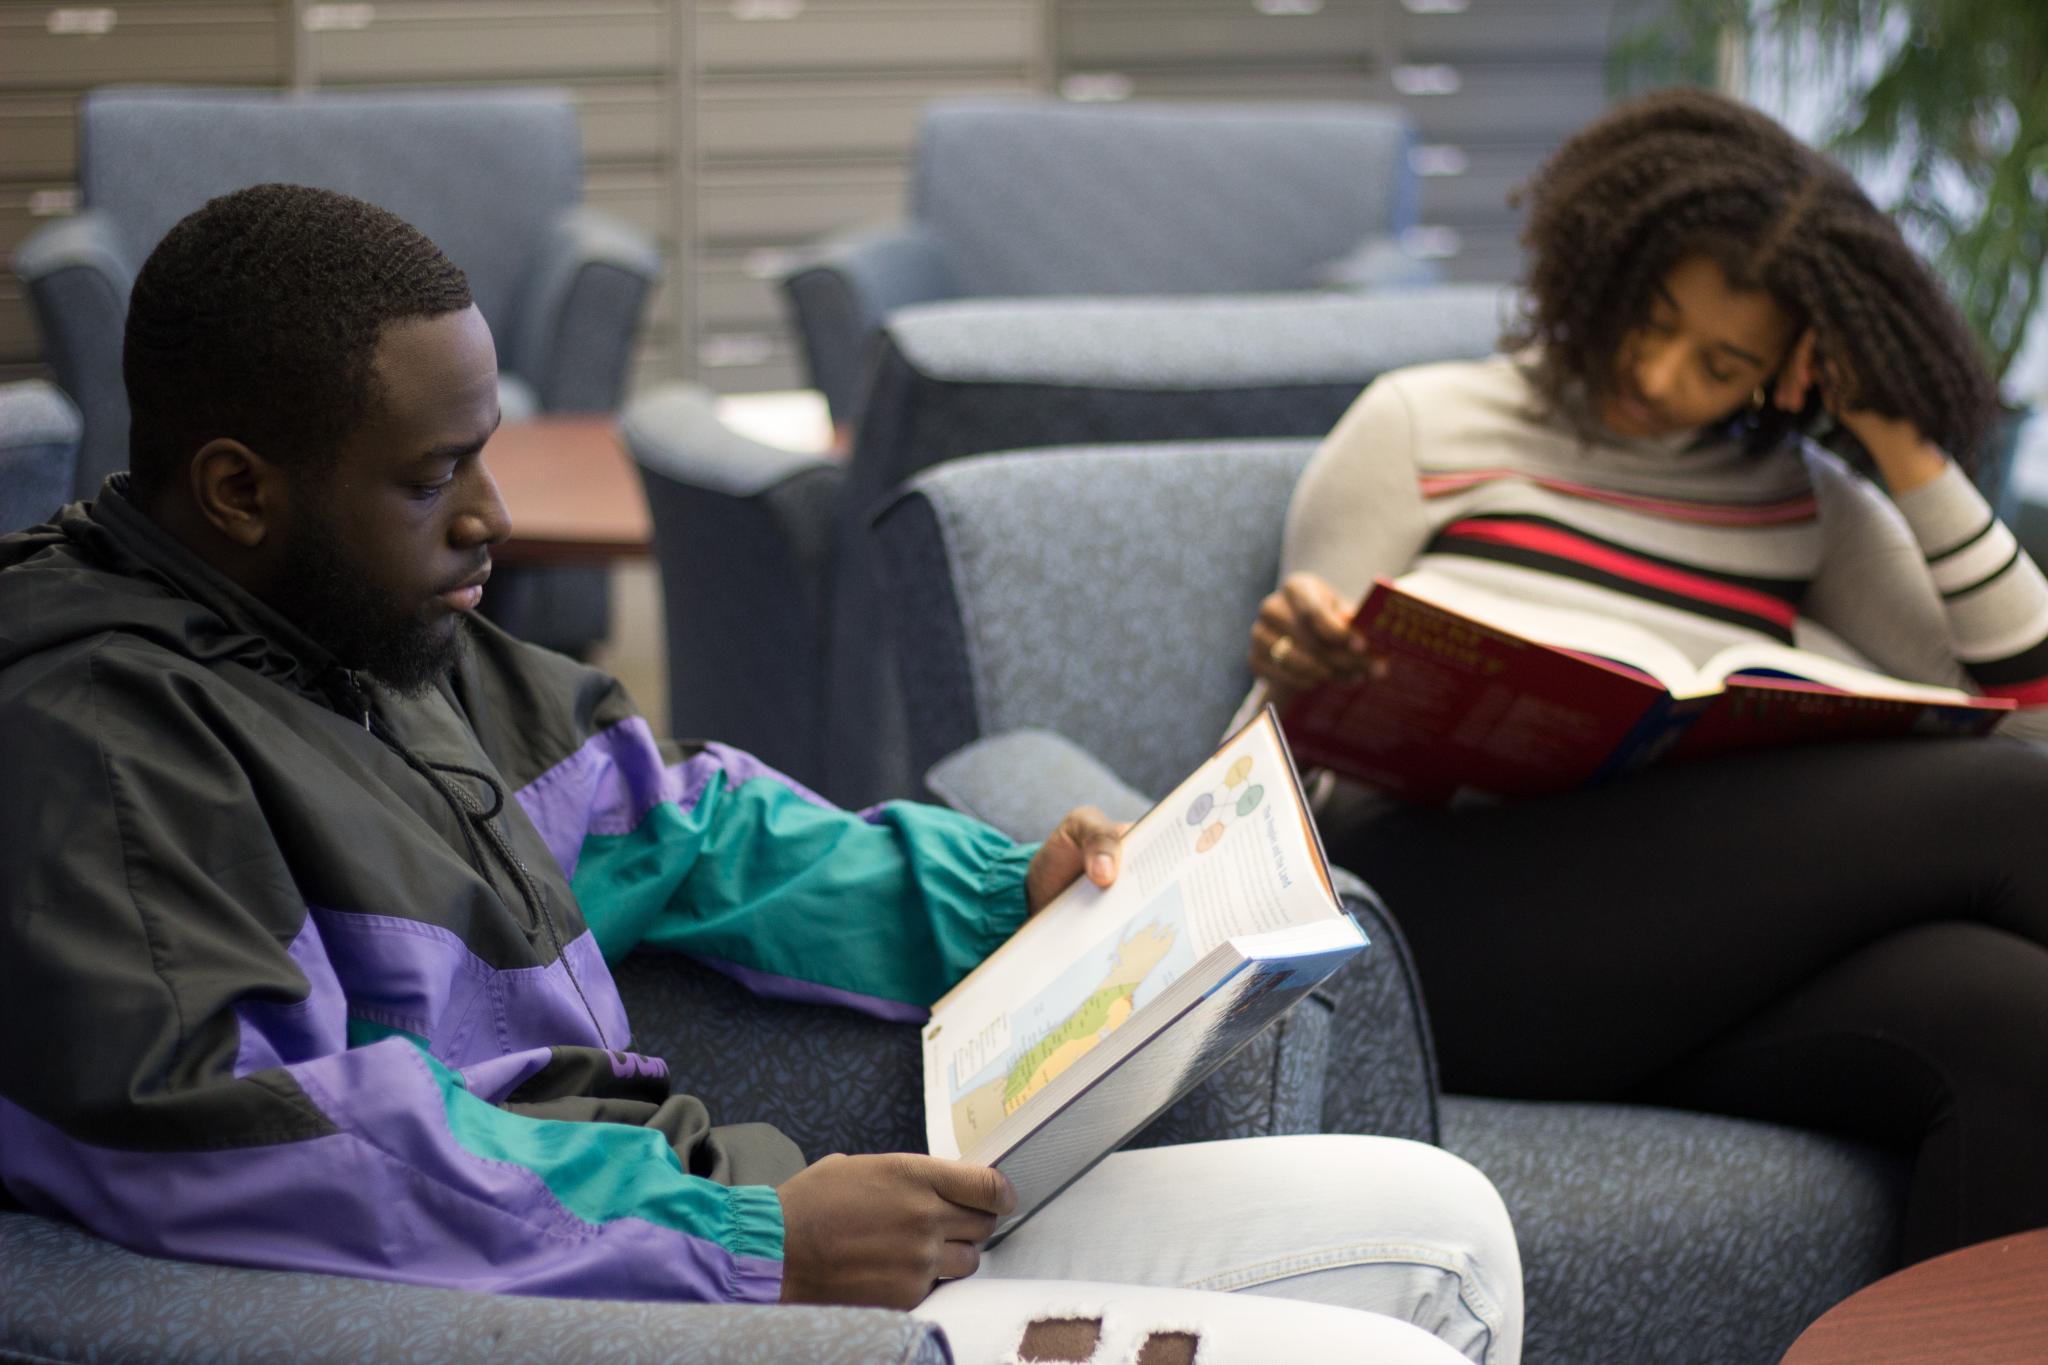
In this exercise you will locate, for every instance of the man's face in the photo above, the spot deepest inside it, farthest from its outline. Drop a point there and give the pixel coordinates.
(389, 546)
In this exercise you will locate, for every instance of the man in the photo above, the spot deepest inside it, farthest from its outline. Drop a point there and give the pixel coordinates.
(318, 887)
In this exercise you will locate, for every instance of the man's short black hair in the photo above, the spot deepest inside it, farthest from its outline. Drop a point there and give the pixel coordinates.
(256, 319)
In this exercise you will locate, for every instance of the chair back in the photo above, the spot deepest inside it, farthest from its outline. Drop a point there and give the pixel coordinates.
(39, 432)
(1037, 196)
(1104, 593)
(483, 173)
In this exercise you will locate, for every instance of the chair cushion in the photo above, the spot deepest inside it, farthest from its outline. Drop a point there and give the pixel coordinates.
(1039, 196)
(69, 1296)
(1652, 1235)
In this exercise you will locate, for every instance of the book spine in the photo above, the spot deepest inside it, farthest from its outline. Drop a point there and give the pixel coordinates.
(1662, 726)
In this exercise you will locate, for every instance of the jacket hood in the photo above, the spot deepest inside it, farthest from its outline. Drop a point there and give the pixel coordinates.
(103, 567)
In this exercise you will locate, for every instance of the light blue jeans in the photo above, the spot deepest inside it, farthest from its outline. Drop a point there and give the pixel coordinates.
(1382, 1250)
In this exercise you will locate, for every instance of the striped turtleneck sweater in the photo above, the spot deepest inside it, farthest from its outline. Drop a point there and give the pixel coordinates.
(1454, 468)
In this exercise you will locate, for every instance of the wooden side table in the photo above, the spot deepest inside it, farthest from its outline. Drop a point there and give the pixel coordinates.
(1985, 1304)
(572, 491)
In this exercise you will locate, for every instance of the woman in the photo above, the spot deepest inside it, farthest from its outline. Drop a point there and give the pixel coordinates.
(1846, 936)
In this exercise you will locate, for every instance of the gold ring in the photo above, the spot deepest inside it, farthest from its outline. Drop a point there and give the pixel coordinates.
(1282, 647)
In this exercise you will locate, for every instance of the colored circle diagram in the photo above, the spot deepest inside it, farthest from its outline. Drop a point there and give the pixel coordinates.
(1215, 810)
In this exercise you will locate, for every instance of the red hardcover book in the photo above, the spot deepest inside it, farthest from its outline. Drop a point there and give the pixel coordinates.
(1483, 695)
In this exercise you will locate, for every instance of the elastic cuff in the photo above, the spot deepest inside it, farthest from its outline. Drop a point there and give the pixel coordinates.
(754, 1224)
(1002, 891)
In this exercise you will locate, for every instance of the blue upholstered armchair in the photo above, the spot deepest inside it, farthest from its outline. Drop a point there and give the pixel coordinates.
(1033, 198)
(494, 177)
(768, 578)
(39, 433)
(1058, 648)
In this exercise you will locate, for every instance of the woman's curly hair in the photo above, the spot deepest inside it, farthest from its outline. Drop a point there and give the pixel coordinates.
(1684, 172)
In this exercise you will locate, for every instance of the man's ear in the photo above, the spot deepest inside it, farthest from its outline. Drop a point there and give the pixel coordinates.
(237, 491)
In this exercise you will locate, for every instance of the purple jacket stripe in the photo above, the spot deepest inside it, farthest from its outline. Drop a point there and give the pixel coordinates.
(774, 987)
(392, 1196)
(276, 1032)
(609, 784)
(424, 980)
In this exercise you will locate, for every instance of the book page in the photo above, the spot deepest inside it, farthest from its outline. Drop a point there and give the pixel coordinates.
(1783, 660)
(1227, 854)
(1562, 628)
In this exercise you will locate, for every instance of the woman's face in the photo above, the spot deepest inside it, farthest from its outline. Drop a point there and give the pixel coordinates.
(1697, 356)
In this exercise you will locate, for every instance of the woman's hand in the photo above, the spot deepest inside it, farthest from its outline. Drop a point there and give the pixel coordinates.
(1905, 457)
(1303, 637)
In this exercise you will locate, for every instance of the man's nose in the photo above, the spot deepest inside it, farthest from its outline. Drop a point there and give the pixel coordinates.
(485, 521)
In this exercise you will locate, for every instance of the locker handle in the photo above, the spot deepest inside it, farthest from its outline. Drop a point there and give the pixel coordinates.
(1287, 9)
(1096, 87)
(1438, 160)
(1432, 242)
(766, 11)
(52, 203)
(1427, 79)
(81, 22)
(1436, 6)
(339, 18)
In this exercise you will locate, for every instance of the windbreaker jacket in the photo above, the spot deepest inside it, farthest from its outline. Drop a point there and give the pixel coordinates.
(296, 972)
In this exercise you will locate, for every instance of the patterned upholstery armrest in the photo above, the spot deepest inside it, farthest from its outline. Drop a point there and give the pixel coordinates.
(72, 1297)
(578, 311)
(39, 432)
(78, 274)
(744, 534)
(841, 295)
(1024, 781)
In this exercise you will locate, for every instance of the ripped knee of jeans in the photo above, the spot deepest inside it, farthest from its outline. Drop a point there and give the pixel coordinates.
(1075, 1340)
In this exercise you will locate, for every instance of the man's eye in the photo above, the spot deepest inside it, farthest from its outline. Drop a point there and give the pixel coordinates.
(1717, 374)
(427, 492)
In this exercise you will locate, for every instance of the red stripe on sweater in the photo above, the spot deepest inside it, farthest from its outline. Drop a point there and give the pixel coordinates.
(1777, 512)
(1564, 545)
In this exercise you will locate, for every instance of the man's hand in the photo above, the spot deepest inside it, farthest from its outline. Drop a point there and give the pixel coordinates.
(1087, 840)
(1303, 637)
(879, 1230)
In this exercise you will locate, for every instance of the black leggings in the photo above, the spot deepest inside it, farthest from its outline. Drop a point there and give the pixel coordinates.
(1847, 937)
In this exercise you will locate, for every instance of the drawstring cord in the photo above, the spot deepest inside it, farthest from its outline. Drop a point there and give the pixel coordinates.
(474, 818)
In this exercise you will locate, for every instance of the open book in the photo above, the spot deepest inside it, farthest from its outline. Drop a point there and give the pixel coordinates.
(1487, 694)
(1109, 1005)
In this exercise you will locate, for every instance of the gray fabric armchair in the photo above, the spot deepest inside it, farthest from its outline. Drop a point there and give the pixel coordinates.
(39, 431)
(494, 177)
(1030, 198)
(1059, 649)
(769, 580)
(831, 1079)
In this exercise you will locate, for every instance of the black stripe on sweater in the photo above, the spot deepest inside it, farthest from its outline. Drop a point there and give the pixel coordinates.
(2010, 560)
(1571, 568)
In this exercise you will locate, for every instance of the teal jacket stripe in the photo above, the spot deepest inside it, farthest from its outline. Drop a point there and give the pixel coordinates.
(602, 1172)
(897, 906)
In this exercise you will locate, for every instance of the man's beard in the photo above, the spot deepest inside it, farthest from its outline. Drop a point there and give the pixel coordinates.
(365, 627)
